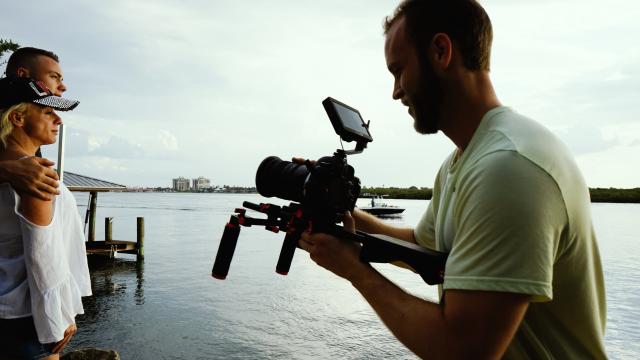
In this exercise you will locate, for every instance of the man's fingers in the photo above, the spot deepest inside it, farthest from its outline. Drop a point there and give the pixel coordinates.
(43, 195)
(44, 161)
(49, 184)
(51, 174)
(301, 161)
(305, 242)
(348, 222)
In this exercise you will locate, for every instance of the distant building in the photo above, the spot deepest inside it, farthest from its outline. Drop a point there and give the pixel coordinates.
(200, 183)
(181, 184)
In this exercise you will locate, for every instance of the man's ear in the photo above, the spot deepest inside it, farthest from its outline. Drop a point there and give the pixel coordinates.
(23, 72)
(441, 50)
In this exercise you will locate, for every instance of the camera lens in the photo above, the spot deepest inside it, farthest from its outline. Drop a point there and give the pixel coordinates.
(283, 179)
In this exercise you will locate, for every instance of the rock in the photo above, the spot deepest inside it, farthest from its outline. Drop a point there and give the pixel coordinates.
(91, 354)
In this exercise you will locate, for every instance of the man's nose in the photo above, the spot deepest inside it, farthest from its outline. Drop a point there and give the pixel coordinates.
(398, 93)
(62, 88)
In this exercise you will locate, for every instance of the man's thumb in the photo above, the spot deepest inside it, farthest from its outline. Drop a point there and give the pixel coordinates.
(348, 222)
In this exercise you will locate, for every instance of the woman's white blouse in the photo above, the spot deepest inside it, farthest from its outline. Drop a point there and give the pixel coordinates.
(52, 265)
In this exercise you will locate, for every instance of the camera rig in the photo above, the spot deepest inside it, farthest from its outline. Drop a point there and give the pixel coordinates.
(322, 192)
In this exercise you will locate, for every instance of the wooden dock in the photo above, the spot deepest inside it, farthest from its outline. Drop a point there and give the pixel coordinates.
(109, 247)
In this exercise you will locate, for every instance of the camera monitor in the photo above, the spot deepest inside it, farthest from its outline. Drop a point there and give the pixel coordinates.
(347, 121)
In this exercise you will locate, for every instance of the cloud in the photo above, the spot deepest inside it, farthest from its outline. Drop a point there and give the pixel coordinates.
(118, 148)
(598, 167)
(159, 145)
(607, 96)
(167, 140)
(104, 164)
(586, 139)
(82, 143)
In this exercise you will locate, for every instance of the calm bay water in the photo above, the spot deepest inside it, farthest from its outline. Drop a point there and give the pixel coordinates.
(169, 307)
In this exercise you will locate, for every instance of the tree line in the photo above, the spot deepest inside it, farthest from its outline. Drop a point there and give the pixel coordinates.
(7, 46)
(612, 195)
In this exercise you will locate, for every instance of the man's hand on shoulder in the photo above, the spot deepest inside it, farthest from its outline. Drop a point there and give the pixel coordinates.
(31, 175)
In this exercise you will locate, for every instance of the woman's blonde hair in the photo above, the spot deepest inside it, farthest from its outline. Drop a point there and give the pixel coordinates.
(6, 127)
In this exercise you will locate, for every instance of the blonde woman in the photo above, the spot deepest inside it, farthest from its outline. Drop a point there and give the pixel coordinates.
(43, 266)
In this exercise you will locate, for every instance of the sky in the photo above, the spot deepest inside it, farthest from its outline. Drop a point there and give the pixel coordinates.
(192, 88)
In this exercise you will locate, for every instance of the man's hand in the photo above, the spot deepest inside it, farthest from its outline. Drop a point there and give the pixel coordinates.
(32, 175)
(301, 161)
(340, 256)
(68, 334)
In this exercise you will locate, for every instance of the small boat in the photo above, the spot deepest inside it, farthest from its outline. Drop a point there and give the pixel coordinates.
(379, 207)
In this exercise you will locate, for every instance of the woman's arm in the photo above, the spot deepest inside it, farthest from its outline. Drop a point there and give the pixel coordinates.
(68, 334)
(36, 210)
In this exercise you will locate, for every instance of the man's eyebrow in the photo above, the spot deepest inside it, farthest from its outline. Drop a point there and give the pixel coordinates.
(56, 73)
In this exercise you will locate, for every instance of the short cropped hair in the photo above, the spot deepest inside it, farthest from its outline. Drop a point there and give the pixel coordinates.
(464, 21)
(24, 57)
(6, 127)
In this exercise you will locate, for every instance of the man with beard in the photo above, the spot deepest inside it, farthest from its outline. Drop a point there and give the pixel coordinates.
(34, 174)
(523, 278)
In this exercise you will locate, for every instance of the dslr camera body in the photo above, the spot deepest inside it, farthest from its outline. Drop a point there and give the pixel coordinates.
(328, 187)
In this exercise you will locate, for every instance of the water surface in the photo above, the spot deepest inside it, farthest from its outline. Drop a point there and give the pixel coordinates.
(169, 307)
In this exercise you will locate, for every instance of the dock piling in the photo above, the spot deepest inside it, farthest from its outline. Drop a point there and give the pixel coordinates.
(92, 215)
(108, 228)
(140, 239)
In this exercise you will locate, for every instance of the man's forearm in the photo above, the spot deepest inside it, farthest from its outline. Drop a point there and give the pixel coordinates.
(415, 322)
(472, 324)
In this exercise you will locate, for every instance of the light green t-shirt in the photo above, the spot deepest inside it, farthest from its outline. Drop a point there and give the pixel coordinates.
(513, 212)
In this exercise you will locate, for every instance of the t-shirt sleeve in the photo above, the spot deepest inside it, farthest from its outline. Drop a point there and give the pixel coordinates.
(424, 232)
(509, 219)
